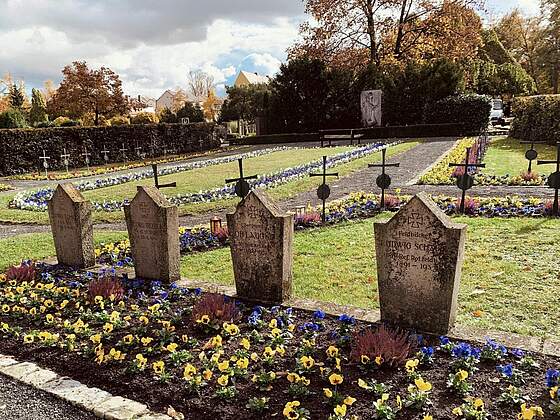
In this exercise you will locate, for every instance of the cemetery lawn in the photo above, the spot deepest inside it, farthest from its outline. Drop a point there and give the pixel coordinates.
(211, 177)
(510, 277)
(505, 156)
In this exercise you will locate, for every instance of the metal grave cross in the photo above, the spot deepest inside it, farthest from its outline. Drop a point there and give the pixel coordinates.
(383, 181)
(554, 178)
(123, 151)
(105, 154)
(465, 182)
(65, 159)
(45, 160)
(138, 150)
(156, 179)
(324, 192)
(86, 156)
(242, 187)
(531, 154)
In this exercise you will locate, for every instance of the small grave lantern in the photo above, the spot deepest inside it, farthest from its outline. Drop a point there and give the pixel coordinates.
(300, 212)
(215, 225)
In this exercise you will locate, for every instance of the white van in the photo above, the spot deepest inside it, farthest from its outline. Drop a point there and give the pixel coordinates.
(497, 112)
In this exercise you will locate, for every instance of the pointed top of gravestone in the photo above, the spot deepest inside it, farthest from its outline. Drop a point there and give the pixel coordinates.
(262, 198)
(422, 201)
(153, 194)
(70, 191)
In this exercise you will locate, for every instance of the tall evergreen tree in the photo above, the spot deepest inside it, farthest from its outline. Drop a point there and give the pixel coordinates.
(38, 113)
(17, 96)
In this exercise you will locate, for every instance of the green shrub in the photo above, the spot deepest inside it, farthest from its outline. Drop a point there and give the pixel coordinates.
(537, 118)
(58, 121)
(472, 110)
(166, 116)
(144, 118)
(12, 118)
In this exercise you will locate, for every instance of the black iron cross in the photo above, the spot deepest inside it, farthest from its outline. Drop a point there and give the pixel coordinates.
(156, 179)
(242, 187)
(324, 192)
(383, 181)
(465, 182)
(531, 154)
(554, 178)
(65, 159)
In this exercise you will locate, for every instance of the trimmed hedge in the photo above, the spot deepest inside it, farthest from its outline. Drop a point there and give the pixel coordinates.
(20, 148)
(473, 111)
(537, 118)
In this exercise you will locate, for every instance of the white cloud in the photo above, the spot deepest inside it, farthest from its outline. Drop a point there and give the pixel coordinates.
(151, 45)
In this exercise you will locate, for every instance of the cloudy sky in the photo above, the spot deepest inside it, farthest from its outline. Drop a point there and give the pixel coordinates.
(154, 44)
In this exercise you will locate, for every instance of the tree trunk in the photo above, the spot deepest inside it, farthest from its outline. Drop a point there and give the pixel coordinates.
(373, 58)
(398, 42)
(96, 121)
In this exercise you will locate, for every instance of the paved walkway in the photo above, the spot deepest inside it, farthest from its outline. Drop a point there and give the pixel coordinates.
(22, 402)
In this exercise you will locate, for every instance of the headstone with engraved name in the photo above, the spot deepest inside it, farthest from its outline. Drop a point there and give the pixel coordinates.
(419, 257)
(261, 237)
(72, 227)
(153, 229)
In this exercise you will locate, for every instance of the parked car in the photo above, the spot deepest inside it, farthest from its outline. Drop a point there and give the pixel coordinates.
(497, 112)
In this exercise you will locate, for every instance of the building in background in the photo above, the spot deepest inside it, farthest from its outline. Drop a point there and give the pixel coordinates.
(246, 78)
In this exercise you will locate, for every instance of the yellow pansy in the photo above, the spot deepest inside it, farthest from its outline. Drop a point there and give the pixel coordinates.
(411, 365)
(379, 360)
(332, 351)
(128, 339)
(172, 347)
(349, 400)
(307, 362)
(462, 375)
(328, 393)
(108, 328)
(245, 343)
(189, 371)
(158, 367)
(422, 385)
(364, 359)
(207, 375)
(336, 379)
(146, 341)
(242, 363)
(340, 410)
(204, 319)
(223, 366)
(223, 380)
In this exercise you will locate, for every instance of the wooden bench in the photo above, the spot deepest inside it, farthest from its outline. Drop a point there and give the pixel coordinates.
(340, 135)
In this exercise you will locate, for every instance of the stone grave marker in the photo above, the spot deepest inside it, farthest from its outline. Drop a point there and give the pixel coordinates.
(153, 229)
(419, 258)
(261, 237)
(72, 227)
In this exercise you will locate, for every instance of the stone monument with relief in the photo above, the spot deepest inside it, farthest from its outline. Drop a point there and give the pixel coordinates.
(419, 257)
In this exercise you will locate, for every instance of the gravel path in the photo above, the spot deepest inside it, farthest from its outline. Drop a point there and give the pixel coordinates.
(22, 402)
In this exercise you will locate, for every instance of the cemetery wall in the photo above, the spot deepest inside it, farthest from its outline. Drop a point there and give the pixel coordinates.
(473, 111)
(20, 148)
(537, 118)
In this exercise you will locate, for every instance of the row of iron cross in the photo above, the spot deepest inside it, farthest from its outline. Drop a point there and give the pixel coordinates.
(464, 182)
(65, 157)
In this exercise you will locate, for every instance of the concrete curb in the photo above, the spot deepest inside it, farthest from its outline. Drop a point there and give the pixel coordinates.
(101, 403)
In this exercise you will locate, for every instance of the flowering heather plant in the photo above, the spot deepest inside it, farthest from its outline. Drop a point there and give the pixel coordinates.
(529, 176)
(213, 309)
(222, 234)
(394, 347)
(308, 219)
(24, 272)
(107, 286)
(471, 205)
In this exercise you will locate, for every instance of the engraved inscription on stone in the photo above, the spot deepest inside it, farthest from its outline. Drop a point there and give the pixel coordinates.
(419, 258)
(72, 227)
(153, 228)
(261, 249)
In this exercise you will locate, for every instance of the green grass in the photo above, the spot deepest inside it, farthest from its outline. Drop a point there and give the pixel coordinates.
(38, 246)
(506, 156)
(510, 272)
(207, 178)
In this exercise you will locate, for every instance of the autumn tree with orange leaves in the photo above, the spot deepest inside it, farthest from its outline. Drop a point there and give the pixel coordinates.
(84, 90)
(358, 32)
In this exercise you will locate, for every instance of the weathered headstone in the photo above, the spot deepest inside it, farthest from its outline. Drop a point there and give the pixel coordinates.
(370, 102)
(419, 257)
(261, 238)
(153, 229)
(72, 227)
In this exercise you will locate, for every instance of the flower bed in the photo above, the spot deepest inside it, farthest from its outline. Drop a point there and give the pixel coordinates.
(211, 357)
(442, 174)
(4, 187)
(57, 176)
(37, 200)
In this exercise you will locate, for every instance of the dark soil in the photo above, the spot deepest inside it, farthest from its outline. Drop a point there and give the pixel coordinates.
(143, 387)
